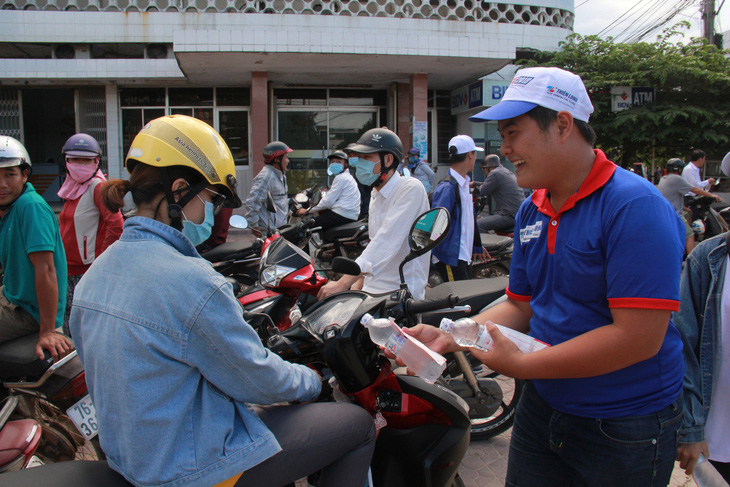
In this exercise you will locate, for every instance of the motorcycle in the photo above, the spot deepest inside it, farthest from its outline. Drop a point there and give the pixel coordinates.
(18, 439)
(52, 394)
(287, 273)
(424, 428)
(707, 221)
(346, 240)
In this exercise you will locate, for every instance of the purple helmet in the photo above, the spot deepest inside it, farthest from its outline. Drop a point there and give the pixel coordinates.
(415, 151)
(81, 145)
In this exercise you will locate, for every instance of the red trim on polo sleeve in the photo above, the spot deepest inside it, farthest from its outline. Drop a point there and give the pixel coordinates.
(644, 303)
(517, 297)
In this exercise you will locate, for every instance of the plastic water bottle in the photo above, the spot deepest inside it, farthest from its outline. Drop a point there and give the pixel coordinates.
(469, 333)
(706, 475)
(424, 362)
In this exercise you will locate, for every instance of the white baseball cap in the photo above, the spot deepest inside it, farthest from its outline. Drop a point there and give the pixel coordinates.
(552, 88)
(463, 144)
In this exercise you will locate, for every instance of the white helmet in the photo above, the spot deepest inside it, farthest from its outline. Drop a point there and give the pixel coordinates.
(12, 153)
(698, 227)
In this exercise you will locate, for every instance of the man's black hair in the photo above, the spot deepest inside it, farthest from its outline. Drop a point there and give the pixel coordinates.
(454, 157)
(697, 154)
(545, 117)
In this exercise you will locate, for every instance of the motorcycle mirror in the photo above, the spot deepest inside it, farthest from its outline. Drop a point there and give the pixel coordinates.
(316, 198)
(343, 265)
(238, 221)
(429, 230)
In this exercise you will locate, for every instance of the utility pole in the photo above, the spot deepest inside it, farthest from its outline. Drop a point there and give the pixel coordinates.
(708, 17)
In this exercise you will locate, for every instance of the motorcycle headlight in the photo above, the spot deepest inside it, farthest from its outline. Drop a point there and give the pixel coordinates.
(272, 275)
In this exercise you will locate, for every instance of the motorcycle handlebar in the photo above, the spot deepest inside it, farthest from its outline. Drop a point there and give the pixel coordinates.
(415, 307)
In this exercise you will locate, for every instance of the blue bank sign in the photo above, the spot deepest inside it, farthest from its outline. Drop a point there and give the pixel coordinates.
(624, 97)
(484, 93)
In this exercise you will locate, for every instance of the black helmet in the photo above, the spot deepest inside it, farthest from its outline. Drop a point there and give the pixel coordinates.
(338, 154)
(274, 150)
(675, 165)
(81, 145)
(379, 140)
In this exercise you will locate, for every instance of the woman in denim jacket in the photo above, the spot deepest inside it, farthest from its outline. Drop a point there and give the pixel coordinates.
(172, 367)
(700, 321)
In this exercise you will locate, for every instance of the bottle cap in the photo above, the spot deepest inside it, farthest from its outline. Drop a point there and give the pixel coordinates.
(447, 325)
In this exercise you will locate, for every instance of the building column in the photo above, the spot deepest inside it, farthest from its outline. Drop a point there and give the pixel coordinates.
(115, 158)
(259, 119)
(419, 108)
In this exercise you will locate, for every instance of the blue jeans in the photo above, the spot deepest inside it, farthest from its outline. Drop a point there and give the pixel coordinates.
(550, 448)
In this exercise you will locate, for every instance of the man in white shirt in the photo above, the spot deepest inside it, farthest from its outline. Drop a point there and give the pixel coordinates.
(395, 204)
(453, 256)
(691, 172)
(341, 203)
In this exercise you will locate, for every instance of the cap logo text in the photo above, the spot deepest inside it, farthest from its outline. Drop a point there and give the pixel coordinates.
(522, 80)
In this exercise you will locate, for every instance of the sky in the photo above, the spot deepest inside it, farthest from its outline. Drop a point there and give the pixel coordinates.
(593, 16)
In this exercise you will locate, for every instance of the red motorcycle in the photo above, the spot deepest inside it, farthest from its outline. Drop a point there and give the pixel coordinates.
(52, 396)
(288, 282)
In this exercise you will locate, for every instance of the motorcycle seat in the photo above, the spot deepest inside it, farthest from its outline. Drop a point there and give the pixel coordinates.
(476, 293)
(495, 243)
(18, 358)
(65, 474)
(348, 230)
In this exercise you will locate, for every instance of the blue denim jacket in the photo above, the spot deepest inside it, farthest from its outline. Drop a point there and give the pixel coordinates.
(172, 366)
(698, 320)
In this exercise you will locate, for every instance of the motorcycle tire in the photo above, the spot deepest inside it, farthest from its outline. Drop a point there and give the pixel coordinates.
(458, 482)
(496, 417)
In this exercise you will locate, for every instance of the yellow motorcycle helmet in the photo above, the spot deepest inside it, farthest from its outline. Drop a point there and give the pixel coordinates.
(179, 140)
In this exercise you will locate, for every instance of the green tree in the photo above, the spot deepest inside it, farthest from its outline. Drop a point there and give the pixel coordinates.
(692, 105)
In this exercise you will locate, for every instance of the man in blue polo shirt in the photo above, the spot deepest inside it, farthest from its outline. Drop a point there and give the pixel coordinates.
(33, 295)
(595, 274)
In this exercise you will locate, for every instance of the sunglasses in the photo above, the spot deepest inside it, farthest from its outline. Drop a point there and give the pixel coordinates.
(218, 200)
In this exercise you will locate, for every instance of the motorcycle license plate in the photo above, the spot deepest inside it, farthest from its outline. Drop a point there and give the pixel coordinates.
(83, 415)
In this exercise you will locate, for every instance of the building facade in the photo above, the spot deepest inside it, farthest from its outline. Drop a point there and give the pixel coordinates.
(313, 73)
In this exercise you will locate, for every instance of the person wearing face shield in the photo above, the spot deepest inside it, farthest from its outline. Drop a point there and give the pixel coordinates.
(271, 179)
(87, 225)
(418, 168)
(341, 203)
(395, 204)
(172, 367)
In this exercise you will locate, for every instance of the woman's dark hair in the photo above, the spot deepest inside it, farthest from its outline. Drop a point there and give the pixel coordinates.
(545, 117)
(145, 183)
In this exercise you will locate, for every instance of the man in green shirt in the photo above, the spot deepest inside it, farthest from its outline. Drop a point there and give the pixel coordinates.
(33, 260)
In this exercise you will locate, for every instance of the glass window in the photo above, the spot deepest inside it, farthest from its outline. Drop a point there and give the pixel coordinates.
(303, 129)
(347, 127)
(191, 97)
(233, 97)
(234, 130)
(142, 97)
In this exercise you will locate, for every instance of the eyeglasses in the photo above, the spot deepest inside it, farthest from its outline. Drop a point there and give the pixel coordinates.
(218, 200)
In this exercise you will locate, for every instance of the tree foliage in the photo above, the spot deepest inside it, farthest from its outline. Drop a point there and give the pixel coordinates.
(692, 82)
